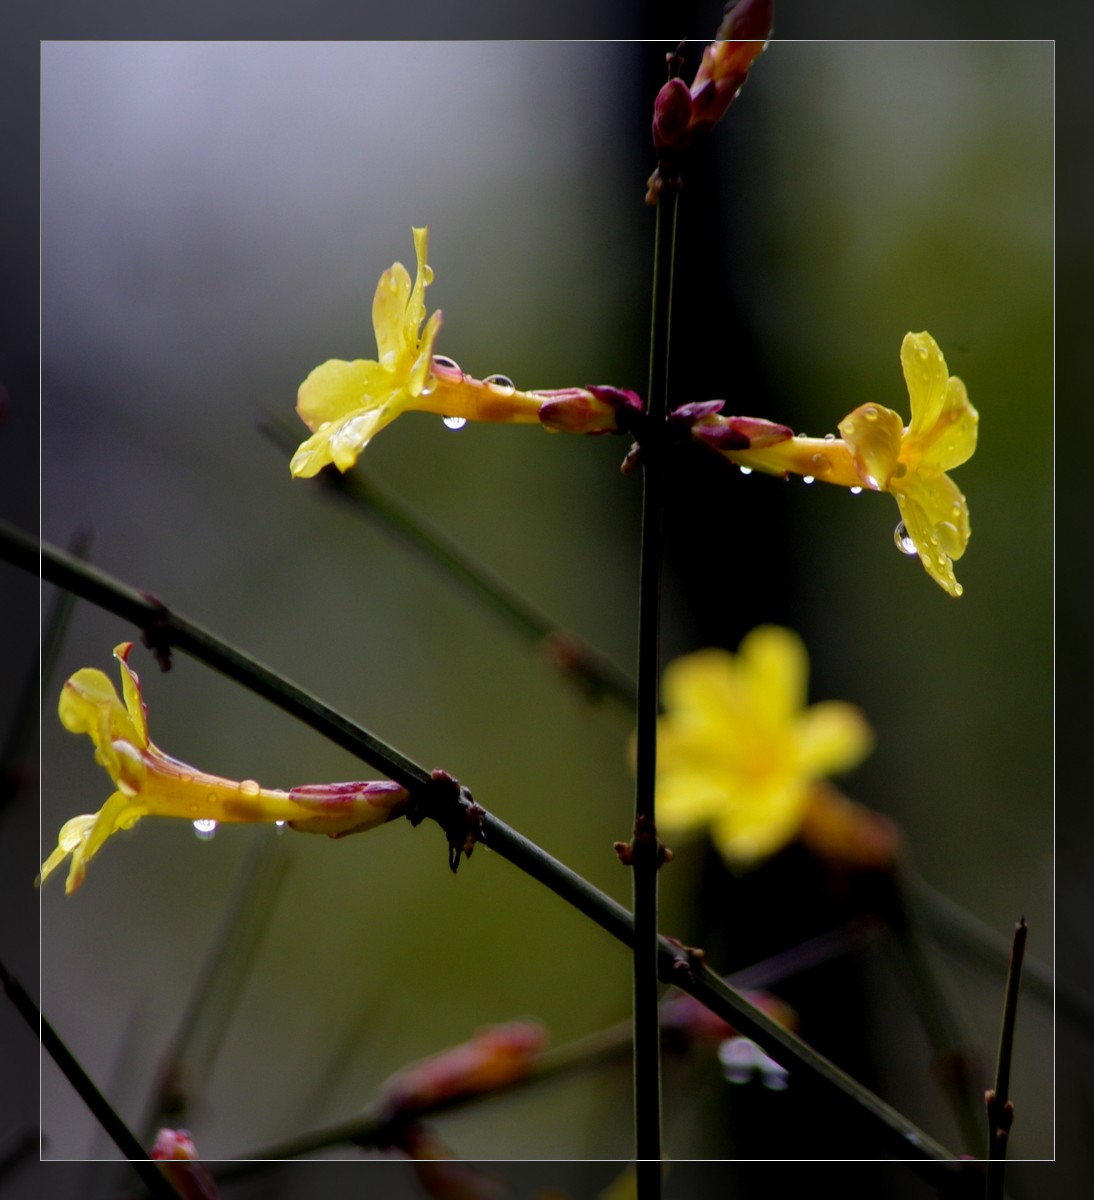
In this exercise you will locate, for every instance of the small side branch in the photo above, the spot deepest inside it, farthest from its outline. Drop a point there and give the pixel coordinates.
(997, 1102)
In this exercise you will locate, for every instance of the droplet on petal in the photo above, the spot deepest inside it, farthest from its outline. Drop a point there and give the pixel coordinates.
(948, 538)
(903, 540)
(455, 422)
(870, 413)
(821, 464)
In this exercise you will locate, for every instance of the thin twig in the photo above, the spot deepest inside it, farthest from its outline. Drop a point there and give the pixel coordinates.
(997, 1100)
(100, 1107)
(591, 670)
(898, 1135)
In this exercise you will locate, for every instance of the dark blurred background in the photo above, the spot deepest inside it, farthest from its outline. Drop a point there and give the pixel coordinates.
(214, 216)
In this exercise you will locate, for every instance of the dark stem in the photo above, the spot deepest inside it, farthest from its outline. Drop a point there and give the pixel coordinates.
(997, 1101)
(646, 857)
(100, 1107)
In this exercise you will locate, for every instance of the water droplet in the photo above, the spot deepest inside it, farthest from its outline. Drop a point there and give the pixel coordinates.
(821, 464)
(855, 491)
(903, 540)
(948, 537)
(738, 1058)
(501, 383)
(829, 437)
(455, 422)
(279, 826)
(205, 828)
(807, 479)
(442, 360)
(427, 275)
(746, 470)
(922, 351)
(870, 413)
(250, 787)
(774, 1077)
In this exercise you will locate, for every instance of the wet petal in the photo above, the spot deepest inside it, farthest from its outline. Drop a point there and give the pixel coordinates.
(874, 435)
(131, 690)
(389, 315)
(336, 388)
(953, 438)
(936, 516)
(926, 376)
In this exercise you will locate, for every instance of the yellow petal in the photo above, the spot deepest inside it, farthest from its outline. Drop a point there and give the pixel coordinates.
(89, 704)
(926, 376)
(833, 737)
(131, 690)
(747, 833)
(775, 671)
(689, 799)
(390, 320)
(936, 516)
(874, 435)
(336, 388)
(953, 438)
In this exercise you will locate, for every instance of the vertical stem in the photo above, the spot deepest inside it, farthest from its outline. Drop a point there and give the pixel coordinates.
(647, 1057)
(997, 1101)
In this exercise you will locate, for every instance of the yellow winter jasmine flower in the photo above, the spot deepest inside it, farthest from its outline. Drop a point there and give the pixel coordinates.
(151, 783)
(739, 753)
(345, 404)
(876, 451)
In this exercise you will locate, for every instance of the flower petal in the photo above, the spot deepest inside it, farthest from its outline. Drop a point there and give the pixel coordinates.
(874, 435)
(89, 704)
(337, 388)
(926, 376)
(833, 737)
(775, 670)
(747, 833)
(953, 438)
(936, 516)
(131, 690)
(389, 314)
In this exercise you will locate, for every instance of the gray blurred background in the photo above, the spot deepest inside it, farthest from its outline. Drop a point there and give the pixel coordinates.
(214, 220)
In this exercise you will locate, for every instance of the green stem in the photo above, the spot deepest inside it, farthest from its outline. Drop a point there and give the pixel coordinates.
(999, 1108)
(894, 1131)
(564, 650)
(99, 1106)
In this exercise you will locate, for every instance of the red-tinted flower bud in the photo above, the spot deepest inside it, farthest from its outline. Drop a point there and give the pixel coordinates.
(177, 1155)
(672, 117)
(742, 433)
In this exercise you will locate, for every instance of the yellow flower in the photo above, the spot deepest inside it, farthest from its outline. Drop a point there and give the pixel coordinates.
(738, 752)
(878, 452)
(151, 783)
(345, 404)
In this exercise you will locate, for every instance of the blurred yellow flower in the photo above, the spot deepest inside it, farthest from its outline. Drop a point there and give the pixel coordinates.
(345, 404)
(738, 751)
(878, 452)
(151, 783)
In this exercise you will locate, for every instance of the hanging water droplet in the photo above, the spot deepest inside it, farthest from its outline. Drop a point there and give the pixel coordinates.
(205, 828)
(948, 538)
(903, 540)
(455, 422)
(279, 826)
(855, 491)
(501, 383)
(442, 360)
(807, 479)
(746, 470)
(738, 1058)
(773, 1076)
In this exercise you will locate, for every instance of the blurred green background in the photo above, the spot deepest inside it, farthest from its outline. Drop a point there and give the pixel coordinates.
(214, 220)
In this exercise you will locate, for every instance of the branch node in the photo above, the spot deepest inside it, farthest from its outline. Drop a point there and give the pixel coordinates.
(451, 805)
(156, 631)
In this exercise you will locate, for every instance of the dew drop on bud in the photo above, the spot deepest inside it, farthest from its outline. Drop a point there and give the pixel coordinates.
(746, 470)
(807, 479)
(205, 828)
(829, 437)
(870, 413)
(250, 787)
(903, 540)
(442, 360)
(501, 383)
(855, 491)
(455, 422)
